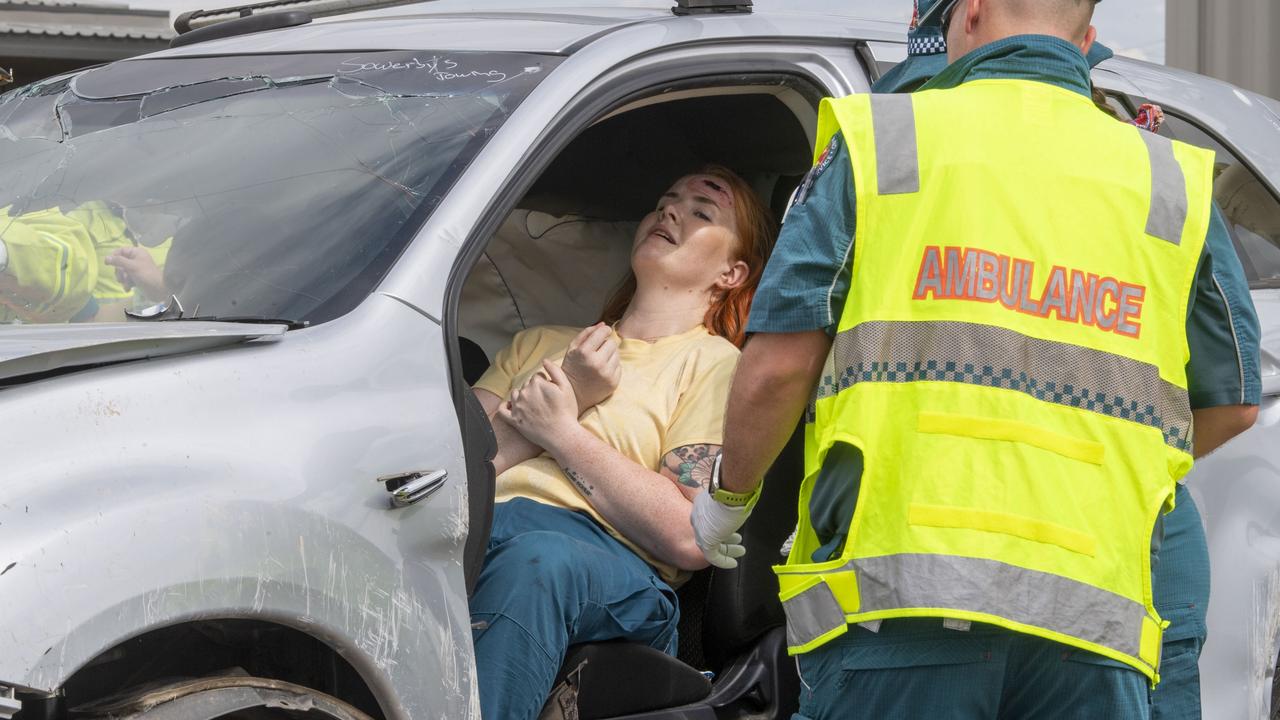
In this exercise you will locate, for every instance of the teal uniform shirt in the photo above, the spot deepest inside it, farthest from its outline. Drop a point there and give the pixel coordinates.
(804, 288)
(807, 279)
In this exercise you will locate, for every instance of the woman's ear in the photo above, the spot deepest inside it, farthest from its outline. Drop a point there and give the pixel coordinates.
(734, 276)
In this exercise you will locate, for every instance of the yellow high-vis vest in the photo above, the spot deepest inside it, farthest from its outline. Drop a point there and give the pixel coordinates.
(1011, 361)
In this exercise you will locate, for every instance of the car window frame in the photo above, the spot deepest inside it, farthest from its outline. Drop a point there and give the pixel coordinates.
(1242, 159)
(1133, 102)
(622, 85)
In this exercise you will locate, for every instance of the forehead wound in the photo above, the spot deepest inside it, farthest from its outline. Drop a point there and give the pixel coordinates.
(712, 187)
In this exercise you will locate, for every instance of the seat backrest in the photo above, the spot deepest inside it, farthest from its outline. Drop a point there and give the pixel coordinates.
(742, 604)
(540, 269)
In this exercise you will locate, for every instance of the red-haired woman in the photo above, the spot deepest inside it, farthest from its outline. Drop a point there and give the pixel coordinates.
(605, 435)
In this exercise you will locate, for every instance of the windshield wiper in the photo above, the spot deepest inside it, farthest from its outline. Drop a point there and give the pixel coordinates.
(172, 310)
(248, 319)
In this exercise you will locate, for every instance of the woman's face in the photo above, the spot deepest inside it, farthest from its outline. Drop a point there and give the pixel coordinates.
(690, 240)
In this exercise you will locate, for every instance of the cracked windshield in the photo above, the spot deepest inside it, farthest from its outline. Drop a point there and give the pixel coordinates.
(268, 187)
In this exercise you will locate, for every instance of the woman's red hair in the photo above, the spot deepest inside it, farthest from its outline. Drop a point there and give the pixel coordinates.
(757, 230)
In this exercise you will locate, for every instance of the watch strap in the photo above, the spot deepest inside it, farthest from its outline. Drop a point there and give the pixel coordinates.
(726, 498)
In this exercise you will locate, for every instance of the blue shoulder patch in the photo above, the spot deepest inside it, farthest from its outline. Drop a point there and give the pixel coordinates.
(824, 162)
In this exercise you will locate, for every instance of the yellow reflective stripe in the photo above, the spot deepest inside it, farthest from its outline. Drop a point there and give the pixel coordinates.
(988, 428)
(1150, 647)
(958, 518)
(62, 277)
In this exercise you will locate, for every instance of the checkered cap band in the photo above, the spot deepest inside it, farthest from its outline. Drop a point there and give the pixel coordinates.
(1053, 372)
(926, 44)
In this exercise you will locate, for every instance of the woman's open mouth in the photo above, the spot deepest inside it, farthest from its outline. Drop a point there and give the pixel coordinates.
(664, 234)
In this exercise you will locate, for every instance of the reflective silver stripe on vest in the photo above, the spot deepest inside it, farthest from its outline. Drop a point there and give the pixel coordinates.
(893, 121)
(812, 614)
(1059, 373)
(951, 582)
(1043, 600)
(1168, 190)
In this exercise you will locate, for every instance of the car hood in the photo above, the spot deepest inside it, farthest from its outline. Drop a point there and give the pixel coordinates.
(27, 350)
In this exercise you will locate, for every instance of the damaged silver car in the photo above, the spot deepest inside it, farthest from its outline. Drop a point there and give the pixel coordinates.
(247, 282)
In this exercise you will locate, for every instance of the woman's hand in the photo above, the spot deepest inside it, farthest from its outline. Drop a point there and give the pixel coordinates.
(545, 409)
(592, 366)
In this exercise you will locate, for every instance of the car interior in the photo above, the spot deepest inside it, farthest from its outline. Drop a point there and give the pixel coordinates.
(556, 258)
(1250, 209)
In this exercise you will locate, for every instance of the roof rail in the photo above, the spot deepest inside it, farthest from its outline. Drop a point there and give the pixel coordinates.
(188, 21)
(709, 7)
(241, 26)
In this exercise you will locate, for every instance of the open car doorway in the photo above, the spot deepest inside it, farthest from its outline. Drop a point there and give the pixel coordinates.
(556, 258)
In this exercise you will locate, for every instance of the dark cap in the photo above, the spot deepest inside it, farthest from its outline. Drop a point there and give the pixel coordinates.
(927, 51)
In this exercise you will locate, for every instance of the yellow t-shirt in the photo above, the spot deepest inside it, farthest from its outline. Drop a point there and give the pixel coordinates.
(672, 393)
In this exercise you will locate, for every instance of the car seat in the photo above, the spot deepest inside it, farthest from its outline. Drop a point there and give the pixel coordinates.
(733, 661)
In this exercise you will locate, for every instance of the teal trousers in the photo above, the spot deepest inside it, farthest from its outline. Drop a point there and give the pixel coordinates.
(915, 669)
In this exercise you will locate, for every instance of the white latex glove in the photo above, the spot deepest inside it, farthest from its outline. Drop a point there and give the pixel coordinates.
(715, 528)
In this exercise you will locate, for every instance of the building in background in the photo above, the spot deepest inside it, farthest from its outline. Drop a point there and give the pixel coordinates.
(1233, 41)
(39, 38)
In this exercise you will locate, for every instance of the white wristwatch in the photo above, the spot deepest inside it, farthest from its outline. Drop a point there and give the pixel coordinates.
(725, 497)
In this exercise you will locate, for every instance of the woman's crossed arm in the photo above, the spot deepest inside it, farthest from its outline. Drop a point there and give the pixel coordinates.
(650, 508)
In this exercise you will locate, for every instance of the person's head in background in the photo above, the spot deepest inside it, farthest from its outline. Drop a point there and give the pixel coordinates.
(971, 24)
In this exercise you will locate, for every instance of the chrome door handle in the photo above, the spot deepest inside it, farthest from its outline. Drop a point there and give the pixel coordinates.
(408, 488)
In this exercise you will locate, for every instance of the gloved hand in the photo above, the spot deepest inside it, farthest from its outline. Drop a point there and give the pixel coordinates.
(715, 528)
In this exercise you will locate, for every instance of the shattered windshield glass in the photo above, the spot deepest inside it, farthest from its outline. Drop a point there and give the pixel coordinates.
(274, 186)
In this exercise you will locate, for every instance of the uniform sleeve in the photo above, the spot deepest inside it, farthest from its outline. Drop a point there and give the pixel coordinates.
(108, 233)
(510, 362)
(807, 279)
(1222, 328)
(51, 268)
(699, 414)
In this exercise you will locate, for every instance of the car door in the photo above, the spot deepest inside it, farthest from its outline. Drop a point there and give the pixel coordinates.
(1237, 487)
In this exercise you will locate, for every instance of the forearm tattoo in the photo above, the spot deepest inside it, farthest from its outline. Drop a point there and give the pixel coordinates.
(583, 486)
(691, 464)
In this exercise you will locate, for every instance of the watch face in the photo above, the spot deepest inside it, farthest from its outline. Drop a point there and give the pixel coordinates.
(715, 473)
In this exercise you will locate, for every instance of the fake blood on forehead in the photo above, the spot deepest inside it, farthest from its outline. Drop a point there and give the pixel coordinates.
(713, 188)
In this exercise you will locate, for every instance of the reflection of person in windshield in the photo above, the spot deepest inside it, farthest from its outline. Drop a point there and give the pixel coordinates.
(56, 264)
(604, 437)
(50, 262)
(108, 233)
(141, 267)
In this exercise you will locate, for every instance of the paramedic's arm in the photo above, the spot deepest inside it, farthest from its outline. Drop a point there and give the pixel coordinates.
(513, 448)
(1224, 374)
(775, 379)
(793, 318)
(1215, 426)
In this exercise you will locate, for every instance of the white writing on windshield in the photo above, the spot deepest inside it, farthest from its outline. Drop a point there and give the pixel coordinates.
(440, 68)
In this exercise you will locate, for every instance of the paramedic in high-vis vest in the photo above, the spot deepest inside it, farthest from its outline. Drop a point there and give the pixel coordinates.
(1017, 287)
